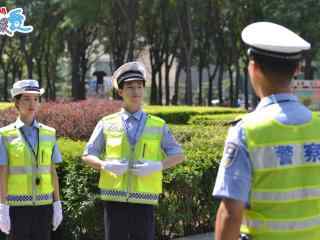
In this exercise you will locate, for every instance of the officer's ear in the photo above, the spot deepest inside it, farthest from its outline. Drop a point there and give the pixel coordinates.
(298, 70)
(16, 101)
(254, 69)
(120, 92)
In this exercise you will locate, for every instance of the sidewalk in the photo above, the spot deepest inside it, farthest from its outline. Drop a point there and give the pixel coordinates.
(205, 236)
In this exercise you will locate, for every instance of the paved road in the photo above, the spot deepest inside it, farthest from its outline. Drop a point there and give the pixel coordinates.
(205, 236)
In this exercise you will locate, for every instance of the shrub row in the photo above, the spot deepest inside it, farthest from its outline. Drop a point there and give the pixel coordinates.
(75, 120)
(186, 206)
(182, 114)
(219, 119)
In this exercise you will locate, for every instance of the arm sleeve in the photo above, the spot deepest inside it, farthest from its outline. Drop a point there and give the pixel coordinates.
(56, 155)
(169, 143)
(3, 152)
(234, 175)
(96, 143)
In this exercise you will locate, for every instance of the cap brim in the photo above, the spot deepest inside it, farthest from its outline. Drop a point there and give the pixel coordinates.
(41, 92)
(133, 79)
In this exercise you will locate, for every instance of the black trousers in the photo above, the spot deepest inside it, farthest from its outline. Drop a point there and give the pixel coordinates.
(31, 223)
(128, 221)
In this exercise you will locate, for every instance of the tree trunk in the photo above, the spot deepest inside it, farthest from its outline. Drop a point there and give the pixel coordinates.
(246, 92)
(5, 85)
(75, 78)
(188, 86)
(220, 83)
(200, 69)
(211, 77)
(39, 70)
(77, 48)
(185, 29)
(48, 77)
(168, 64)
(153, 90)
(175, 97)
(14, 72)
(160, 87)
(28, 57)
(231, 96)
(167, 84)
(237, 85)
(132, 16)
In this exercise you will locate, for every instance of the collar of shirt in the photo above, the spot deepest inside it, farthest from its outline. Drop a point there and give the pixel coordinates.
(126, 115)
(276, 98)
(20, 124)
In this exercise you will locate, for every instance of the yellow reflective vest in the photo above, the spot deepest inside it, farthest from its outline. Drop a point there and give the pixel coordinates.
(129, 187)
(285, 190)
(29, 179)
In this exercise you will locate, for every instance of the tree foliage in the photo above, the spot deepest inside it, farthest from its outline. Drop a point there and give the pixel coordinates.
(175, 35)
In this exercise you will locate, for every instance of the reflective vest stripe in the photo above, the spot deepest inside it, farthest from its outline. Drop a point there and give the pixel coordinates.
(286, 196)
(29, 169)
(144, 196)
(284, 225)
(287, 178)
(113, 193)
(28, 198)
(42, 138)
(132, 196)
(283, 210)
(153, 130)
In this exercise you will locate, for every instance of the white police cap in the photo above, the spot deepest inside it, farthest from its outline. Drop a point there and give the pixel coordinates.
(26, 86)
(130, 71)
(273, 40)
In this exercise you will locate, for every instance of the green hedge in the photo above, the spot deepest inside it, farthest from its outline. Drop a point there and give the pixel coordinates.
(218, 119)
(182, 114)
(186, 206)
(78, 183)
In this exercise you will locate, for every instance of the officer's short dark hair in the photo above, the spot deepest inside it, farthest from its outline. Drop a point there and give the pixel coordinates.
(120, 85)
(18, 97)
(284, 68)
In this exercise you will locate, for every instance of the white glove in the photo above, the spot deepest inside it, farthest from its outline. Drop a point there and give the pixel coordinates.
(115, 166)
(146, 168)
(57, 215)
(5, 223)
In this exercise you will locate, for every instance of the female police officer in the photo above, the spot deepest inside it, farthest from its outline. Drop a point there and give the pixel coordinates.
(29, 190)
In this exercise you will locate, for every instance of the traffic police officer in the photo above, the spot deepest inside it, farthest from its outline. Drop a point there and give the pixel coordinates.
(268, 180)
(136, 147)
(29, 189)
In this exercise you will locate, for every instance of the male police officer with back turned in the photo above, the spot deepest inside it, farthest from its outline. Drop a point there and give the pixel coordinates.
(268, 180)
(136, 147)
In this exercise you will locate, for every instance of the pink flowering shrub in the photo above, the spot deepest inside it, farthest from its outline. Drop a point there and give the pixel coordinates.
(75, 120)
